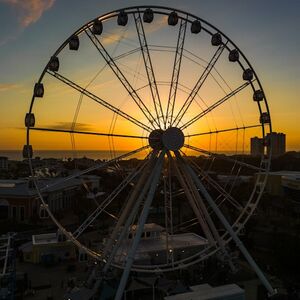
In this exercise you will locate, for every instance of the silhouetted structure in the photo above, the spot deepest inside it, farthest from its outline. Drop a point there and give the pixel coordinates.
(257, 147)
(273, 140)
(277, 142)
(3, 163)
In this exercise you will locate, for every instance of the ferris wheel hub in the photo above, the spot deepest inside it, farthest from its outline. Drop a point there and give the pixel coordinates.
(173, 138)
(170, 139)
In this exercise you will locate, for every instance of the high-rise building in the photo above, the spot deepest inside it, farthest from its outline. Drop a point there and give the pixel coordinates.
(273, 140)
(277, 142)
(257, 147)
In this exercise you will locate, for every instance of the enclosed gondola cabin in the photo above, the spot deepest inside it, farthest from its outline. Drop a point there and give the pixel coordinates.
(97, 27)
(53, 64)
(233, 55)
(265, 118)
(258, 95)
(74, 43)
(248, 75)
(29, 120)
(216, 39)
(122, 18)
(196, 27)
(38, 90)
(148, 15)
(27, 151)
(173, 18)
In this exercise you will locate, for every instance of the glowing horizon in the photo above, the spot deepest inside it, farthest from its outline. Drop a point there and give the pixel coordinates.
(56, 109)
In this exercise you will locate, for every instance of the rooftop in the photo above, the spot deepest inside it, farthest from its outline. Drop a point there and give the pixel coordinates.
(207, 292)
(176, 241)
(23, 188)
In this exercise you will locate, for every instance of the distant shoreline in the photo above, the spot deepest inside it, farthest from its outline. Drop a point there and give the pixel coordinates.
(92, 154)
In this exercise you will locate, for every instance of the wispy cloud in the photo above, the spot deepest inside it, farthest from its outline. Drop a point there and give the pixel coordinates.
(65, 126)
(29, 11)
(7, 86)
(68, 125)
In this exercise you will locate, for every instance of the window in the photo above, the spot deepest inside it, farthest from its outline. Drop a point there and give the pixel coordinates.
(14, 212)
(148, 234)
(22, 213)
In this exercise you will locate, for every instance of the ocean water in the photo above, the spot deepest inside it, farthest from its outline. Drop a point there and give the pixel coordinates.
(64, 154)
(93, 154)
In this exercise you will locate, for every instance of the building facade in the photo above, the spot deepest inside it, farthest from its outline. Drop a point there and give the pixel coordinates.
(19, 200)
(3, 163)
(276, 141)
(257, 146)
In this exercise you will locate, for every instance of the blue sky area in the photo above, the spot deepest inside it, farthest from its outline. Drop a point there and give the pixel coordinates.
(266, 31)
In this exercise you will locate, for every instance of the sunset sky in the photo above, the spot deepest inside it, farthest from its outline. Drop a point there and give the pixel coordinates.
(31, 30)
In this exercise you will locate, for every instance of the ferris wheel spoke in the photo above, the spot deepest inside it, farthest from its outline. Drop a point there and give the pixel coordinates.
(106, 202)
(176, 70)
(87, 132)
(223, 130)
(226, 158)
(125, 219)
(148, 66)
(153, 180)
(99, 100)
(120, 56)
(198, 85)
(93, 168)
(215, 105)
(121, 77)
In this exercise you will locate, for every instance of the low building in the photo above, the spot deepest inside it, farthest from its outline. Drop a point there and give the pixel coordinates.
(207, 292)
(283, 183)
(19, 200)
(152, 246)
(257, 146)
(48, 249)
(291, 185)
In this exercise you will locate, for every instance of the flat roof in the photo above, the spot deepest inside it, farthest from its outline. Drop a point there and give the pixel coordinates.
(207, 292)
(45, 238)
(284, 173)
(20, 187)
(148, 227)
(176, 241)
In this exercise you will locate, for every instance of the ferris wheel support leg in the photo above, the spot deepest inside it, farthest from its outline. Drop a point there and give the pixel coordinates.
(142, 220)
(232, 233)
(127, 215)
(202, 207)
(182, 180)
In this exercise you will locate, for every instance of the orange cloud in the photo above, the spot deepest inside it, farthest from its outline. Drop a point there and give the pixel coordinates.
(29, 11)
(7, 86)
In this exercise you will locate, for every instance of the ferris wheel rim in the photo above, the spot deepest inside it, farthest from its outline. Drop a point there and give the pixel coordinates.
(140, 9)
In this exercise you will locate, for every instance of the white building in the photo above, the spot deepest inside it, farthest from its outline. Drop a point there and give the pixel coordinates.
(152, 246)
(207, 292)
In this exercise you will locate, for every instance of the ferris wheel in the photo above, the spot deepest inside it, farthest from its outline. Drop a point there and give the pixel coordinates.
(167, 87)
